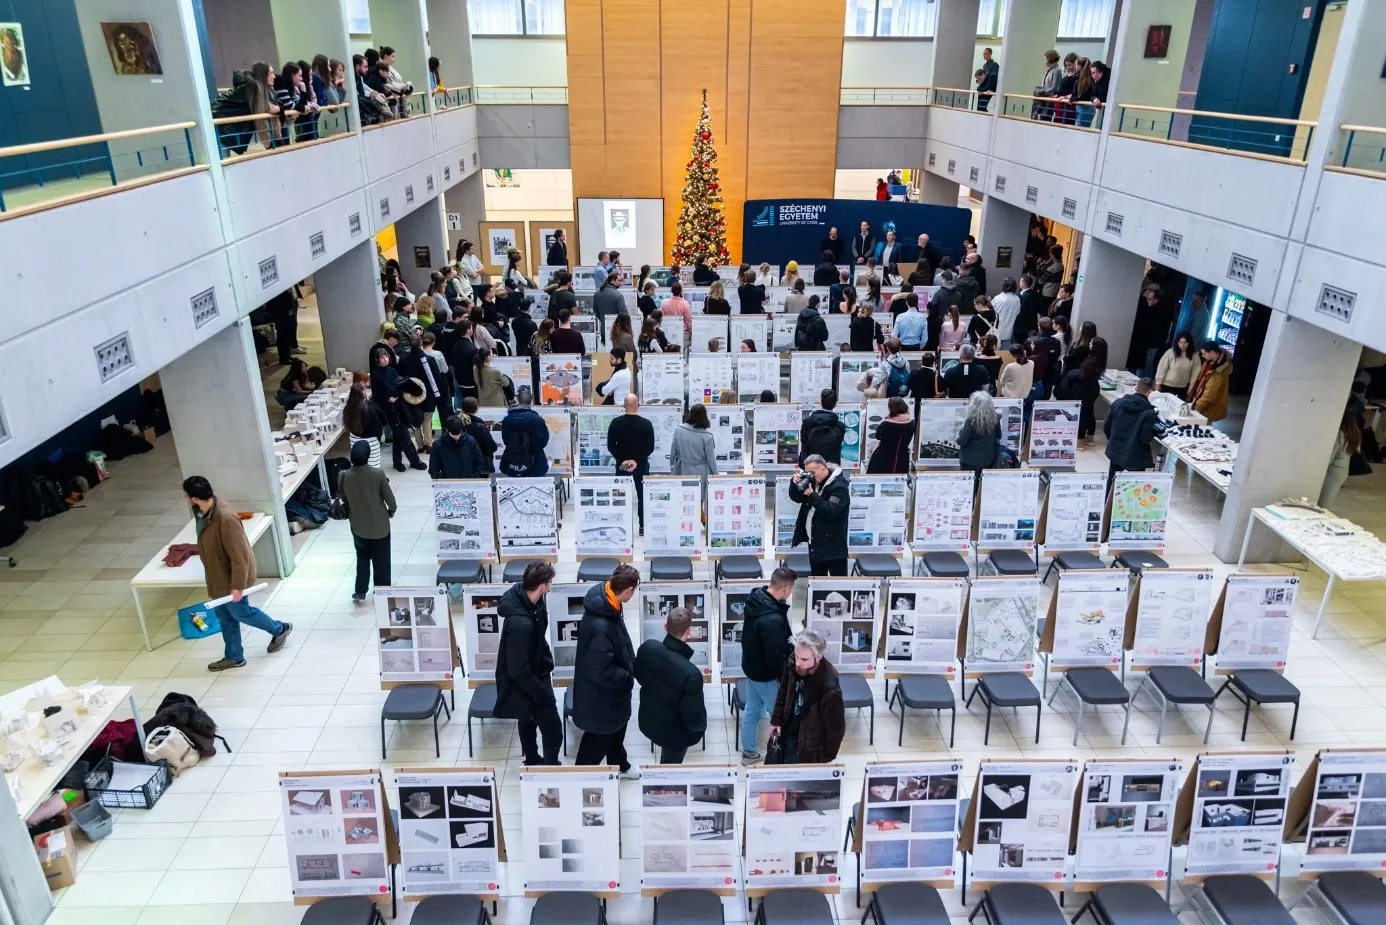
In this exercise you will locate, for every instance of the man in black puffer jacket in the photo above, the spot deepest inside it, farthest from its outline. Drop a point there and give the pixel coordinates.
(824, 502)
(524, 665)
(455, 455)
(672, 713)
(765, 636)
(604, 673)
(823, 431)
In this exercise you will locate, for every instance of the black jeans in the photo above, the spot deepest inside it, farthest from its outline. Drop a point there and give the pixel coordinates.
(604, 748)
(639, 476)
(286, 335)
(402, 446)
(372, 553)
(668, 755)
(821, 567)
(547, 723)
(1087, 417)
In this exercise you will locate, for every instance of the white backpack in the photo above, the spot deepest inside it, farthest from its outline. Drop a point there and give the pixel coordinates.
(167, 743)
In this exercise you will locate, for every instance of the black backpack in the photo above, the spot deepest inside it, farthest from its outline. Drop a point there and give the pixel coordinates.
(182, 713)
(43, 498)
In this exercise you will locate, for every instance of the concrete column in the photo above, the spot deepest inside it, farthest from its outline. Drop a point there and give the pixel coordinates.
(350, 306)
(955, 44)
(1108, 289)
(1032, 28)
(304, 28)
(450, 41)
(216, 406)
(423, 228)
(937, 191)
(1292, 419)
(1003, 225)
(468, 200)
(400, 25)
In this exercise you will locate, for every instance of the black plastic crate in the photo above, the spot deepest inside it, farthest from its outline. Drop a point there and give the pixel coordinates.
(144, 797)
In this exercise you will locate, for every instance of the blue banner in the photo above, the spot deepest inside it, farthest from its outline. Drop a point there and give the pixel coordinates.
(777, 231)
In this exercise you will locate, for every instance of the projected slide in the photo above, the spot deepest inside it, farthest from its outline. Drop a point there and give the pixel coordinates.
(635, 227)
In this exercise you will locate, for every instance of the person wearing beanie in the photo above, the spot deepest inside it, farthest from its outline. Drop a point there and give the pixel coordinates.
(456, 455)
(370, 504)
(791, 274)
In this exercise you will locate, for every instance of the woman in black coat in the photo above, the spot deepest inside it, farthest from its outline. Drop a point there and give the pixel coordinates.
(604, 672)
(387, 394)
(524, 666)
(895, 441)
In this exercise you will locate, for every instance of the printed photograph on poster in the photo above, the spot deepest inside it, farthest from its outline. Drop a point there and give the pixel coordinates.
(754, 328)
(527, 518)
(707, 328)
(659, 599)
(335, 834)
(853, 436)
(571, 826)
(728, 426)
(414, 634)
(662, 379)
(710, 379)
(921, 625)
(847, 613)
(564, 606)
(785, 517)
(1077, 502)
(688, 828)
(499, 242)
(618, 219)
(1001, 615)
(810, 372)
(1090, 617)
(943, 504)
(1009, 509)
(560, 379)
(1257, 621)
(851, 367)
(1238, 813)
(605, 515)
(793, 829)
(736, 515)
(732, 611)
(464, 525)
(1024, 816)
(1054, 434)
(1011, 413)
(673, 517)
(1124, 815)
(1140, 510)
(776, 441)
(1347, 821)
(940, 422)
(1172, 611)
(448, 832)
(481, 628)
(877, 517)
(910, 830)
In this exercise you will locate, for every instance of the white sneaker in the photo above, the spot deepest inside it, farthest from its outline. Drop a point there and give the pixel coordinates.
(631, 773)
(748, 761)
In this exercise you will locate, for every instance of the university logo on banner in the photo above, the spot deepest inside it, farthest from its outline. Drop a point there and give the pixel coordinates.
(765, 218)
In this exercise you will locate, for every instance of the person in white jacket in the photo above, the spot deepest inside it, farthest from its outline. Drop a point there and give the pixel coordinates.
(615, 389)
(1006, 304)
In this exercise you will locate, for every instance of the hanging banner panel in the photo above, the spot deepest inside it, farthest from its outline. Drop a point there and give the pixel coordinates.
(1073, 520)
(793, 828)
(449, 831)
(922, 620)
(1140, 510)
(1054, 434)
(464, 522)
(673, 517)
(910, 822)
(1238, 813)
(943, 505)
(1009, 509)
(736, 515)
(1124, 820)
(688, 829)
(847, 613)
(1024, 816)
(481, 628)
(659, 599)
(571, 818)
(527, 517)
(334, 829)
(876, 521)
(1172, 610)
(1257, 620)
(414, 635)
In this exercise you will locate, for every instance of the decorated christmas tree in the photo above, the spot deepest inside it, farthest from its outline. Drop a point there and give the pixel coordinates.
(702, 230)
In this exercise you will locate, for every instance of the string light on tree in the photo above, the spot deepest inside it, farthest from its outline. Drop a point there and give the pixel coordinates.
(702, 229)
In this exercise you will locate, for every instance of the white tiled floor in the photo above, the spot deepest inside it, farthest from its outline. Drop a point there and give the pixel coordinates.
(211, 850)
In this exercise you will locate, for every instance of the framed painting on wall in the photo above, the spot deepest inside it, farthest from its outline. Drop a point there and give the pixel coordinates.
(14, 59)
(132, 48)
(1157, 41)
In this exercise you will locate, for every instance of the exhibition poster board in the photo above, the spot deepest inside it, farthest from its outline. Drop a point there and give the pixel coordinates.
(1054, 434)
(877, 518)
(335, 832)
(464, 523)
(660, 598)
(877, 410)
(672, 326)
(519, 369)
(1073, 512)
(846, 611)
(559, 449)
(414, 636)
(1009, 509)
(710, 379)
(728, 426)
(571, 819)
(776, 444)
(688, 829)
(564, 606)
(604, 509)
(1019, 823)
(526, 517)
(786, 516)
(1140, 510)
(1257, 618)
(810, 372)
(1232, 813)
(594, 454)
(1086, 624)
(560, 379)
(839, 330)
(943, 511)
(940, 421)
(662, 378)
(1172, 610)
(1000, 625)
(755, 328)
(756, 373)
(1340, 803)
(793, 827)
(736, 515)
(481, 629)
(1011, 414)
(850, 368)
(731, 607)
(707, 328)
(450, 838)
(907, 823)
(674, 516)
(782, 332)
(922, 620)
(1125, 815)
(853, 421)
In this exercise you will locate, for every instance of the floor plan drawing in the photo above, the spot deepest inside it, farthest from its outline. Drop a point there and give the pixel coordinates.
(527, 514)
(1001, 623)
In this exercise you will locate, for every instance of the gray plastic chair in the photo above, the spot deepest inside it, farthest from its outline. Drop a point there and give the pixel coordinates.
(689, 907)
(597, 568)
(876, 565)
(451, 910)
(734, 568)
(1356, 895)
(1261, 686)
(461, 572)
(857, 693)
(671, 568)
(794, 907)
(924, 692)
(414, 701)
(1098, 687)
(515, 570)
(1240, 899)
(1075, 561)
(568, 909)
(481, 707)
(1179, 685)
(799, 562)
(343, 910)
(1137, 560)
(1127, 904)
(907, 904)
(1019, 904)
(945, 565)
(1012, 562)
(1007, 689)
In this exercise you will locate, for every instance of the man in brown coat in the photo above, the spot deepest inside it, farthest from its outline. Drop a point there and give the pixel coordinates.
(809, 716)
(229, 565)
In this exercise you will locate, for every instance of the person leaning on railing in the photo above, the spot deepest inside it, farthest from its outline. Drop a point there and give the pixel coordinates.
(248, 95)
(298, 107)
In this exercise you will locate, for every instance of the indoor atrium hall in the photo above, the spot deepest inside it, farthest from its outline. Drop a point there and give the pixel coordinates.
(514, 462)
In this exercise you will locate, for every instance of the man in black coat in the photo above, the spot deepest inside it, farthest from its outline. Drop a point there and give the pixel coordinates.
(672, 713)
(558, 250)
(967, 376)
(1032, 306)
(823, 431)
(1130, 427)
(562, 295)
(462, 362)
(863, 245)
(456, 455)
(833, 244)
(604, 673)
(821, 492)
(525, 435)
(765, 651)
(524, 665)
(825, 272)
(630, 440)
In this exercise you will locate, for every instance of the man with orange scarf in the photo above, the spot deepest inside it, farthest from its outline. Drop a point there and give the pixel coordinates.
(604, 673)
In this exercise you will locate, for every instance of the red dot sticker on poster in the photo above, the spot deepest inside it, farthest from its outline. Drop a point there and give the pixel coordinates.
(490, 886)
(947, 871)
(1160, 874)
(1058, 875)
(832, 878)
(727, 881)
(383, 889)
(611, 884)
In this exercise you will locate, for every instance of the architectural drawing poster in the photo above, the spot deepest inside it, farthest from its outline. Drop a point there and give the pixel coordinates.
(911, 821)
(736, 515)
(688, 828)
(559, 449)
(846, 612)
(481, 627)
(755, 328)
(776, 441)
(463, 520)
(1088, 613)
(850, 368)
(710, 379)
(1257, 620)
(943, 505)
(564, 606)
(1140, 510)
(728, 426)
(732, 608)
(853, 437)
(1011, 413)
(793, 829)
(922, 620)
(414, 635)
(1024, 815)
(940, 421)
(1347, 821)
(1001, 616)
(674, 516)
(560, 379)
(1125, 820)
(1172, 609)
(672, 326)
(449, 831)
(1009, 510)
(810, 372)
(604, 515)
(1238, 813)
(526, 517)
(877, 518)
(571, 819)
(786, 515)
(1054, 434)
(707, 328)
(1073, 518)
(662, 378)
(659, 599)
(334, 829)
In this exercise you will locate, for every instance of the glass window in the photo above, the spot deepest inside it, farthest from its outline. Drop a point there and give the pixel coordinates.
(1085, 19)
(516, 17)
(544, 17)
(906, 18)
(861, 17)
(991, 17)
(359, 17)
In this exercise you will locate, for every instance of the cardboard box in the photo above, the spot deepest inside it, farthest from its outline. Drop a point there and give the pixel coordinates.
(57, 854)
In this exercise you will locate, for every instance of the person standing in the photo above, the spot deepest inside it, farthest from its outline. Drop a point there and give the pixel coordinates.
(561, 294)
(1347, 443)
(1130, 427)
(832, 245)
(558, 250)
(810, 330)
(967, 376)
(1208, 394)
(672, 713)
(823, 431)
(630, 440)
(765, 651)
(676, 306)
(228, 564)
(750, 294)
(693, 449)
(1030, 306)
(604, 672)
(981, 430)
(1176, 368)
(825, 271)
(821, 491)
(895, 441)
(370, 505)
(809, 717)
(387, 394)
(608, 300)
(463, 362)
(863, 245)
(525, 435)
(456, 455)
(1017, 377)
(524, 666)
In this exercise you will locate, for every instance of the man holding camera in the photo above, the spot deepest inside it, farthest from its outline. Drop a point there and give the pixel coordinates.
(820, 489)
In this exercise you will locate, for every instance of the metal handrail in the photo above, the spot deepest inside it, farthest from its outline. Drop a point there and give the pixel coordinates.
(256, 116)
(1362, 166)
(1275, 120)
(1027, 111)
(849, 96)
(40, 146)
(1285, 141)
